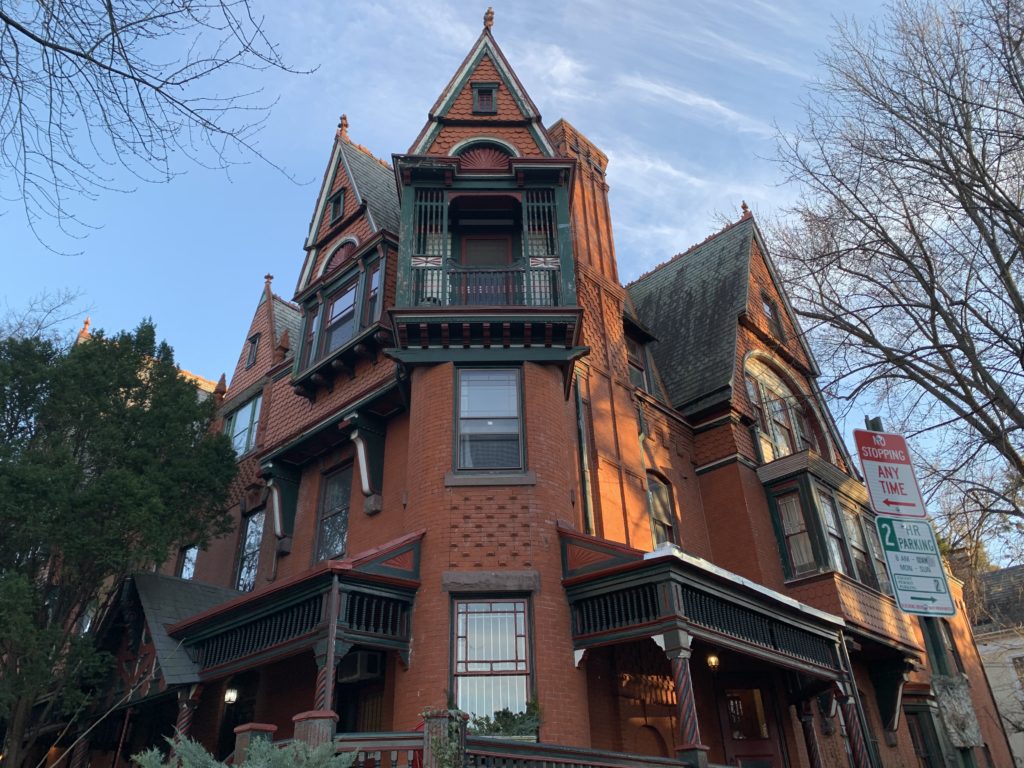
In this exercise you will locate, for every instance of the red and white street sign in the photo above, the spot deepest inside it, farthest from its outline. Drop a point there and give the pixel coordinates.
(890, 478)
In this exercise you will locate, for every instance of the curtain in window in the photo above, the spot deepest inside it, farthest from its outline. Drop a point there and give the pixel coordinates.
(798, 541)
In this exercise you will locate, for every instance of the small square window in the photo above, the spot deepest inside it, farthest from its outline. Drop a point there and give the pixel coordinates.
(336, 205)
(485, 98)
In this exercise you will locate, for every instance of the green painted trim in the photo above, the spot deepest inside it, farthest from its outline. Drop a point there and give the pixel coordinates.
(565, 246)
(329, 423)
(467, 314)
(492, 355)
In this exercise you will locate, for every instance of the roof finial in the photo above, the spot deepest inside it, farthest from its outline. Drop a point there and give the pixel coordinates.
(489, 18)
(745, 209)
(343, 127)
(269, 278)
(84, 335)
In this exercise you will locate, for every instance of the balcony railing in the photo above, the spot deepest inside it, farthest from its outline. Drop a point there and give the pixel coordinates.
(446, 287)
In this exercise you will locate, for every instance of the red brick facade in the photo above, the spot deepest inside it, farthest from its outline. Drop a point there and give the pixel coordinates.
(594, 446)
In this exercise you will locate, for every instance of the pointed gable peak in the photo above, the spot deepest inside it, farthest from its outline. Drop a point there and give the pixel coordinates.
(484, 93)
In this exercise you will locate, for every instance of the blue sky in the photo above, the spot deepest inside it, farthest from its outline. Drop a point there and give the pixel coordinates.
(683, 97)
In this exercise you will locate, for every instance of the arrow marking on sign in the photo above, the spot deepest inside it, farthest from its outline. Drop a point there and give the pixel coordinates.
(892, 503)
(924, 599)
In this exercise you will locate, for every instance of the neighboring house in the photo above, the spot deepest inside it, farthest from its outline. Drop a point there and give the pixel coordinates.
(999, 631)
(476, 471)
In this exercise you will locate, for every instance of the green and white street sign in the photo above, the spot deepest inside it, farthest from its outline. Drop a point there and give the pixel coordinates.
(918, 578)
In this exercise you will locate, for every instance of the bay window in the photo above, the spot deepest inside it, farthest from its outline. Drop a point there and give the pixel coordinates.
(796, 538)
(338, 314)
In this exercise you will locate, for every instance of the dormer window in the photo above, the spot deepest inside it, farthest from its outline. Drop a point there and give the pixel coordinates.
(250, 355)
(485, 101)
(336, 205)
(771, 312)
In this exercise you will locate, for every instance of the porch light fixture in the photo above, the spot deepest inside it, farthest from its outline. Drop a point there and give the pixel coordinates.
(230, 695)
(713, 662)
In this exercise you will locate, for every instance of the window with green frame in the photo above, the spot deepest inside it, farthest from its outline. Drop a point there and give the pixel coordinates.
(489, 419)
(349, 305)
(485, 98)
(241, 425)
(821, 530)
(491, 655)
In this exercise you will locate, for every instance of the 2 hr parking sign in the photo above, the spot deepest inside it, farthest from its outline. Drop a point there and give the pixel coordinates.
(915, 565)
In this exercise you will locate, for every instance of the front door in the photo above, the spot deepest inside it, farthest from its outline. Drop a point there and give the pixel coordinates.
(749, 726)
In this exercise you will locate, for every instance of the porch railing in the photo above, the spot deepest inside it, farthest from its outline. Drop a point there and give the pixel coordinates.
(500, 753)
(441, 286)
(382, 750)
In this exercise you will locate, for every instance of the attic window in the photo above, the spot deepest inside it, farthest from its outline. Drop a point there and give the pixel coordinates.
(336, 205)
(485, 101)
(250, 355)
(771, 313)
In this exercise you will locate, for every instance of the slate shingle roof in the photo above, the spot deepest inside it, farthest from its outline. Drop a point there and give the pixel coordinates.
(375, 184)
(1002, 598)
(287, 317)
(167, 600)
(691, 303)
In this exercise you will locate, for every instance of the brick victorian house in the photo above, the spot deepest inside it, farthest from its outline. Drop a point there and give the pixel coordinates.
(478, 472)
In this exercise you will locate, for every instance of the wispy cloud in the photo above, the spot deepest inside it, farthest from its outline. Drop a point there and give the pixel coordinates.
(696, 104)
(552, 74)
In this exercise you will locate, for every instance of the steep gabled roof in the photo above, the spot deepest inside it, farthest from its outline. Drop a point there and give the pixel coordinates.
(287, 317)
(373, 183)
(692, 303)
(166, 600)
(484, 56)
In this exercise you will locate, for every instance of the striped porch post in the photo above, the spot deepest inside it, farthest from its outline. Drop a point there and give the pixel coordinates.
(858, 746)
(806, 710)
(689, 746)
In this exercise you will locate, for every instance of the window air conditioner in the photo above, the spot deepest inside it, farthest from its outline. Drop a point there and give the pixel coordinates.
(361, 665)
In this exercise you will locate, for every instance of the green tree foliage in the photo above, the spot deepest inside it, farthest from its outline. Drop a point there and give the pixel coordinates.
(262, 754)
(107, 464)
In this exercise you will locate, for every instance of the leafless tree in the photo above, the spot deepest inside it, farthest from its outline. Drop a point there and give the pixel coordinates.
(903, 255)
(89, 88)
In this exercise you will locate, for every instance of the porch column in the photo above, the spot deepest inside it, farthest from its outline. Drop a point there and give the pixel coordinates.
(188, 701)
(806, 710)
(854, 734)
(689, 747)
(327, 656)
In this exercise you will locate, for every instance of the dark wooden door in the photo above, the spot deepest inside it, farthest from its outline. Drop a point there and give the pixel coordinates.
(750, 729)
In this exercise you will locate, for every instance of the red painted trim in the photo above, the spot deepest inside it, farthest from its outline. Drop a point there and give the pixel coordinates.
(345, 567)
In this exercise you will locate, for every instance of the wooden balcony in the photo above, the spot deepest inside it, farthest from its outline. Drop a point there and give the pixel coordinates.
(463, 287)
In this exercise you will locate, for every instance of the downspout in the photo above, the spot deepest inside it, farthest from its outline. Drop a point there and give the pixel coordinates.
(861, 716)
(581, 434)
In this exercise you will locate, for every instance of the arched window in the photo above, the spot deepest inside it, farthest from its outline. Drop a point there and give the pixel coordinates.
(662, 509)
(784, 416)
